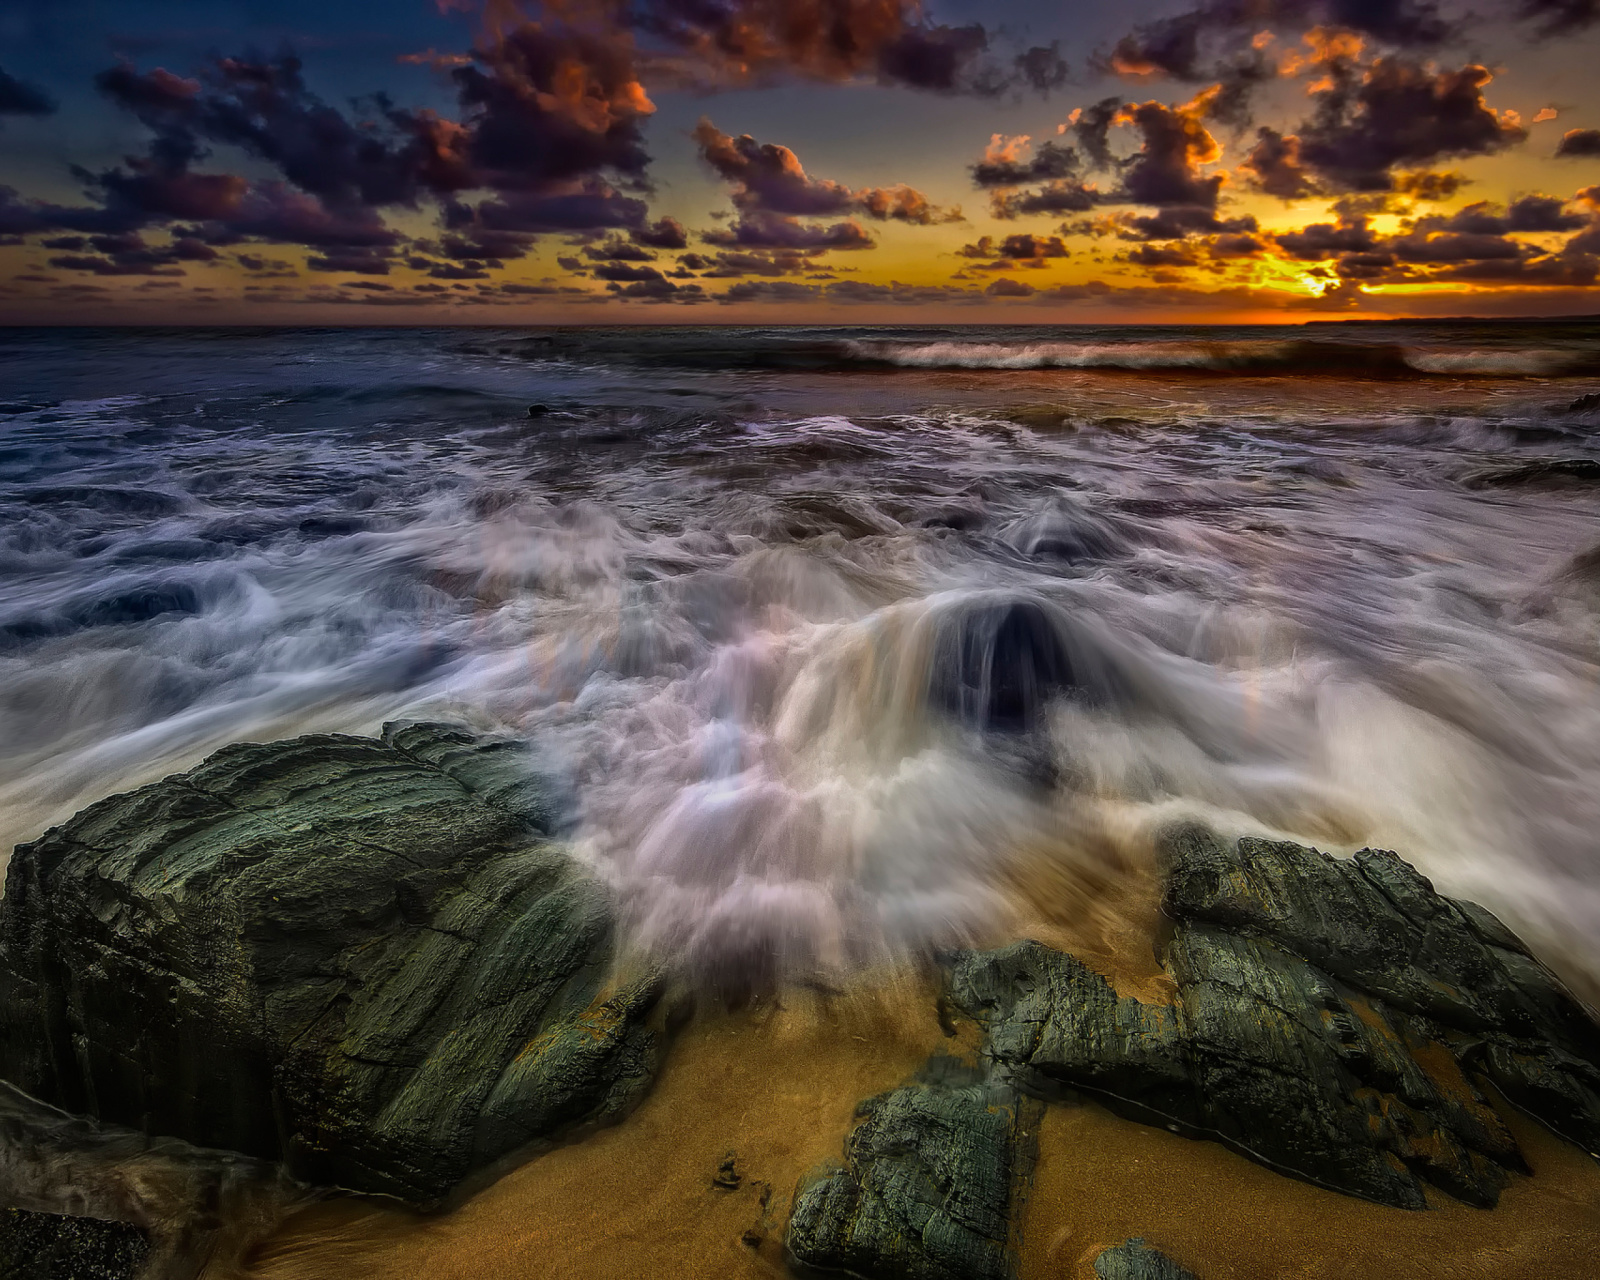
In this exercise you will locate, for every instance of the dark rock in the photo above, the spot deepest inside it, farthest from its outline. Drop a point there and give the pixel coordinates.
(727, 1178)
(1585, 402)
(1542, 471)
(1329, 1019)
(998, 663)
(361, 957)
(538, 410)
(1135, 1260)
(927, 1187)
(50, 1246)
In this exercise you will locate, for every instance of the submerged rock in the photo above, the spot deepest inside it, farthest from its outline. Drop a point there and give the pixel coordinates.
(926, 1190)
(997, 663)
(1331, 1017)
(361, 957)
(1135, 1260)
(1540, 471)
(50, 1246)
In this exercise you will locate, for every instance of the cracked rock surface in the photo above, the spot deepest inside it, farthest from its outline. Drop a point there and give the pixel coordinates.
(926, 1189)
(1333, 1020)
(363, 957)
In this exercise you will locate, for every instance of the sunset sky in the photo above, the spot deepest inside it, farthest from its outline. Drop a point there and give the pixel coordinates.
(826, 161)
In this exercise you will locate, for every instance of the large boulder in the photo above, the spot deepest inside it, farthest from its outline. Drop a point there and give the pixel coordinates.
(362, 957)
(1332, 1020)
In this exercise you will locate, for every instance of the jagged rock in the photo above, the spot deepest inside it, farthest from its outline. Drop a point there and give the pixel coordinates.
(361, 957)
(1585, 402)
(927, 1186)
(1135, 1260)
(1329, 1017)
(50, 1246)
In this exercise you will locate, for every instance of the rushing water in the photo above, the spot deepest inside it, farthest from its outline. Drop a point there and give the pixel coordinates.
(821, 630)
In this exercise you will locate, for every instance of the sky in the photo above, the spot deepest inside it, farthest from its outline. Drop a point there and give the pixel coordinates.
(796, 161)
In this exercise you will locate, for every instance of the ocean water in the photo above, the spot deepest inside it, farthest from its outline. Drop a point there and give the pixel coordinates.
(820, 631)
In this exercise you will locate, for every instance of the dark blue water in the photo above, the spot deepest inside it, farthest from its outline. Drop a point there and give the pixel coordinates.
(824, 630)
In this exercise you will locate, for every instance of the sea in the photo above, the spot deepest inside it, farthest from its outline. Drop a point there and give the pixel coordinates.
(815, 630)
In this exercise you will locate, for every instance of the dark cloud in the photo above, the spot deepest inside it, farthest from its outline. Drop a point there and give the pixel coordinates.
(1052, 199)
(720, 43)
(614, 250)
(1394, 112)
(768, 178)
(1042, 68)
(1274, 166)
(357, 261)
(549, 127)
(1429, 184)
(1176, 143)
(771, 231)
(1559, 17)
(624, 273)
(128, 254)
(1008, 162)
(1325, 239)
(663, 233)
(505, 226)
(1530, 213)
(20, 99)
(1583, 143)
(737, 263)
(1091, 127)
(1005, 287)
(1373, 119)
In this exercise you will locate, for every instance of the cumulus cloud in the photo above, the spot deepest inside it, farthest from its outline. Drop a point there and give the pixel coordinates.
(1374, 121)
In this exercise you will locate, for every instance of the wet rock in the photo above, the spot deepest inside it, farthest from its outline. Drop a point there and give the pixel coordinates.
(1135, 1260)
(49, 1246)
(1585, 402)
(1067, 533)
(1542, 471)
(926, 1190)
(998, 663)
(1331, 1017)
(361, 957)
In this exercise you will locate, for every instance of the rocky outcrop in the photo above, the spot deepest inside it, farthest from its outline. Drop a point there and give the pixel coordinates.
(48, 1246)
(1135, 1260)
(926, 1190)
(1331, 1020)
(364, 958)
